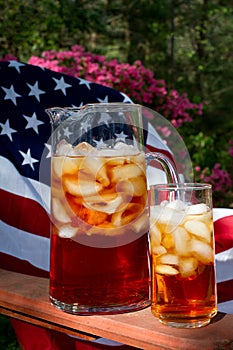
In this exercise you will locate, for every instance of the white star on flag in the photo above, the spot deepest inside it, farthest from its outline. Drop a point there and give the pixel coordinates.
(33, 122)
(27, 158)
(61, 85)
(11, 94)
(16, 65)
(35, 91)
(7, 130)
(121, 136)
(85, 82)
(67, 133)
(100, 143)
(126, 98)
(105, 100)
(105, 117)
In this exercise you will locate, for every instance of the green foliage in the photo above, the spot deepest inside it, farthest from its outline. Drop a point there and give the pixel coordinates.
(202, 149)
(8, 339)
(208, 150)
(28, 27)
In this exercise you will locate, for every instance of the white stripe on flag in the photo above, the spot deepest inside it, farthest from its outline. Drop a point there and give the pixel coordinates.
(226, 307)
(224, 265)
(219, 213)
(22, 245)
(155, 176)
(154, 140)
(23, 186)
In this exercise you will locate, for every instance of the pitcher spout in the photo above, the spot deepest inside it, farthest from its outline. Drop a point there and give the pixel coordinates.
(57, 114)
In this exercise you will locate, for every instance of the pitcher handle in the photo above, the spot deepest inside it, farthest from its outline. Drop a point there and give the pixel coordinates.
(167, 164)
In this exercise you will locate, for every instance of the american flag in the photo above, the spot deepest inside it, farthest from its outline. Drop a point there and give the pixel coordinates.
(25, 92)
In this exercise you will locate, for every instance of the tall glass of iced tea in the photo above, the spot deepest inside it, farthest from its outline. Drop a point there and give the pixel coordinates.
(99, 212)
(182, 252)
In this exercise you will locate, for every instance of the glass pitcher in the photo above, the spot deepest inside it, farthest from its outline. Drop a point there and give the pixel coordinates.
(99, 259)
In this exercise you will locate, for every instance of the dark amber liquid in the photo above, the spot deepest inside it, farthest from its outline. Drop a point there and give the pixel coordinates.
(191, 297)
(99, 277)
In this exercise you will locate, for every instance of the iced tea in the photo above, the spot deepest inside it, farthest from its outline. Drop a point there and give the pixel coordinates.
(183, 267)
(99, 241)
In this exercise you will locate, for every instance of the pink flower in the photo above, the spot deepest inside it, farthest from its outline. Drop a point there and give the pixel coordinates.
(9, 57)
(165, 131)
(219, 178)
(135, 80)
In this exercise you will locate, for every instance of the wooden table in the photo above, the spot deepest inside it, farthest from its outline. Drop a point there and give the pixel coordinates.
(26, 298)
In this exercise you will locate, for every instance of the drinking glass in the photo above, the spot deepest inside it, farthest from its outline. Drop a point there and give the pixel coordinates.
(182, 254)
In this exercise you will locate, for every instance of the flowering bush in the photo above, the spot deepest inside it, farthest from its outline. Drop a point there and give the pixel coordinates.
(141, 86)
(221, 183)
(9, 57)
(209, 168)
(135, 80)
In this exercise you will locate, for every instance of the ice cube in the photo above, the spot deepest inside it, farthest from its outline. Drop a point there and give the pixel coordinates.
(65, 165)
(84, 149)
(120, 149)
(177, 204)
(155, 235)
(59, 211)
(168, 259)
(71, 165)
(108, 152)
(158, 250)
(114, 161)
(202, 251)
(205, 217)
(127, 215)
(106, 203)
(97, 168)
(166, 270)
(135, 186)
(187, 266)
(196, 209)
(126, 171)
(125, 149)
(64, 148)
(182, 241)
(139, 186)
(168, 240)
(67, 231)
(198, 229)
(155, 212)
(169, 218)
(81, 187)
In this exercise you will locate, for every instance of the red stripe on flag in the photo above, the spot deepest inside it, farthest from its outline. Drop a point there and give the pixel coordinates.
(223, 233)
(24, 214)
(12, 263)
(155, 149)
(225, 291)
(156, 164)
